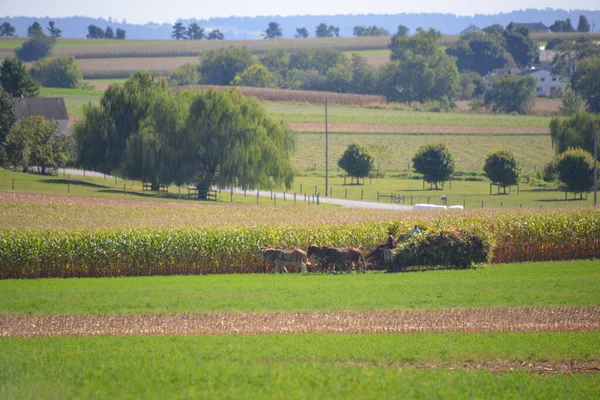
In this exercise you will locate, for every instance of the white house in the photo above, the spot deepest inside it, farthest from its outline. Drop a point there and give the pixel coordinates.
(547, 85)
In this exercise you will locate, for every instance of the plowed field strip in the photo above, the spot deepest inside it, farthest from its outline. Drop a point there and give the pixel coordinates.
(540, 368)
(506, 320)
(388, 128)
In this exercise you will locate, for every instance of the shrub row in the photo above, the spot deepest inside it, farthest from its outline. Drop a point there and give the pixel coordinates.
(517, 236)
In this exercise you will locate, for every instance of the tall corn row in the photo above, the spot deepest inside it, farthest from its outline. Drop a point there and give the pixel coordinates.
(518, 236)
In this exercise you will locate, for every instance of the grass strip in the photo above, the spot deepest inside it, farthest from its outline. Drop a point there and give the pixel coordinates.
(511, 285)
(291, 366)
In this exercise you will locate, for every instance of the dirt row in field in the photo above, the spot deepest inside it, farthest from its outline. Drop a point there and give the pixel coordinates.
(505, 320)
(540, 368)
(386, 128)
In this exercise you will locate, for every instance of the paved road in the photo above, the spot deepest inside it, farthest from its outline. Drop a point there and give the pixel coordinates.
(327, 200)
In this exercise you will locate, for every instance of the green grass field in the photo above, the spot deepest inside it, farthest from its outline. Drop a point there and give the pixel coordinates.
(512, 285)
(368, 116)
(290, 366)
(462, 192)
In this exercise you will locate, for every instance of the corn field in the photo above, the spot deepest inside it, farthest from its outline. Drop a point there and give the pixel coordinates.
(304, 96)
(518, 236)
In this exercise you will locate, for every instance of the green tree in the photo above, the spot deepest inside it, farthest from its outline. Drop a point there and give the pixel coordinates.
(519, 44)
(554, 42)
(494, 30)
(338, 78)
(109, 33)
(402, 30)
(220, 66)
(434, 162)
(572, 103)
(35, 29)
(102, 134)
(35, 48)
(179, 31)
(59, 71)
(420, 70)
(356, 161)
(95, 32)
(228, 140)
(273, 31)
(215, 35)
(478, 52)
(511, 93)
(53, 30)
(7, 30)
(301, 33)
(562, 26)
(370, 31)
(382, 155)
(576, 131)
(255, 75)
(502, 168)
(576, 170)
(15, 80)
(323, 30)
(471, 85)
(120, 34)
(364, 78)
(583, 25)
(34, 142)
(185, 75)
(585, 81)
(8, 115)
(194, 32)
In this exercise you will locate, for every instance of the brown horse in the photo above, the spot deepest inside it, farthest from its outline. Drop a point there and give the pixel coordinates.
(331, 256)
(281, 258)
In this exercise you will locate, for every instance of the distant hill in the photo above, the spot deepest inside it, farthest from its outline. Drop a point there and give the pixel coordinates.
(252, 27)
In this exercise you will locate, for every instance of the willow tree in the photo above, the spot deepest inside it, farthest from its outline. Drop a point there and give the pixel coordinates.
(228, 140)
(572, 132)
(102, 134)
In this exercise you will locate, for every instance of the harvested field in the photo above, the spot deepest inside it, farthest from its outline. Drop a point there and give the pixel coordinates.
(119, 64)
(542, 106)
(385, 128)
(488, 320)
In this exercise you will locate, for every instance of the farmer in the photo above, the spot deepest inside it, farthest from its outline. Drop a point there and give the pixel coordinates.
(391, 241)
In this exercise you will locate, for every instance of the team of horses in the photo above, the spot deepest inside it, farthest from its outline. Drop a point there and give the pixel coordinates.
(331, 259)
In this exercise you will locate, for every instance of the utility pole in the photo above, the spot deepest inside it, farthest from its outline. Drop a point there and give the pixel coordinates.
(596, 162)
(326, 153)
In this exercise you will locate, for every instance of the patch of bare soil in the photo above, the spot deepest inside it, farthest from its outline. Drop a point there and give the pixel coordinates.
(506, 320)
(385, 128)
(540, 368)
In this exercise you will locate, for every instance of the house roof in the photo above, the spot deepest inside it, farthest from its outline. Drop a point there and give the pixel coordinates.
(49, 108)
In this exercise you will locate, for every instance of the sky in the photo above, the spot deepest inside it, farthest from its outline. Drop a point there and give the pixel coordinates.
(142, 11)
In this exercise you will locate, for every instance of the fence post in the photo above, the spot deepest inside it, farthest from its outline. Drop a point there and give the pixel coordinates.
(346, 193)
(294, 198)
(231, 196)
(362, 192)
(411, 203)
(392, 197)
(315, 189)
(284, 197)
(179, 187)
(301, 188)
(257, 197)
(275, 199)
(244, 192)
(330, 191)
(464, 204)
(271, 195)
(450, 183)
(427, 199)
(501, 204)
(68, 186)
(13, 185)
(481, 203)
(378, 196)
(115, 180)
(124, 190)
(318, 195)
